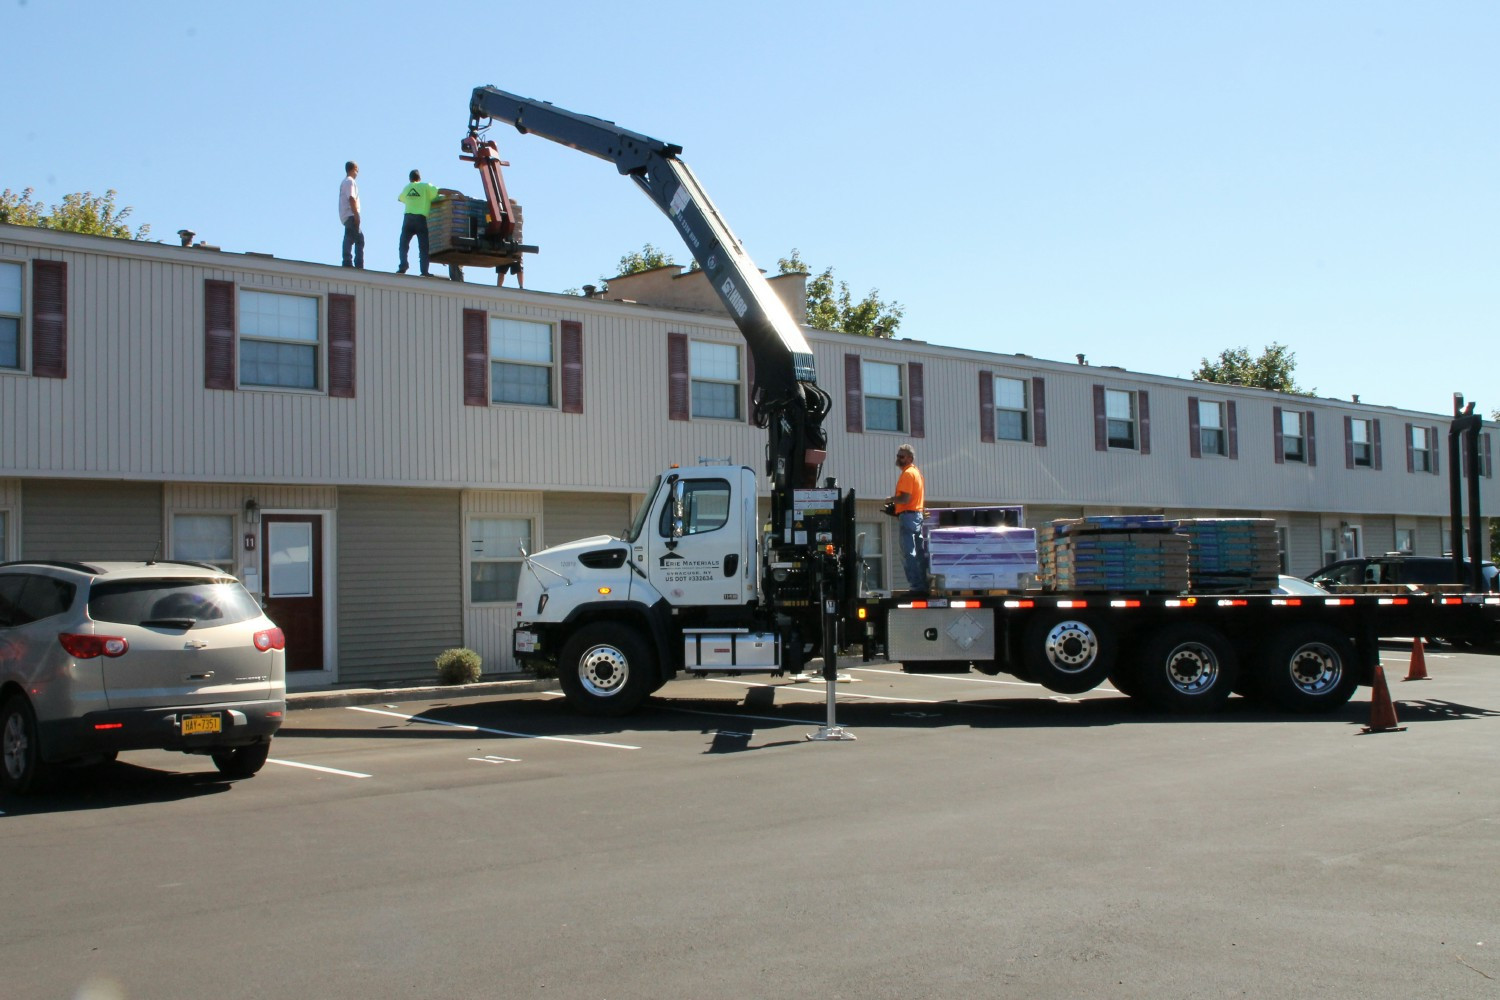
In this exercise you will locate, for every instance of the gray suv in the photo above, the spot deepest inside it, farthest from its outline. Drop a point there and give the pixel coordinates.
(110, 656)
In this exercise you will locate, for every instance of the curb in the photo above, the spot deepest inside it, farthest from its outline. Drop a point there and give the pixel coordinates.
(343, 697)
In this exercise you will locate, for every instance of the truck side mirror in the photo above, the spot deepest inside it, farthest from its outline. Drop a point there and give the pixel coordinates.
(679, 504)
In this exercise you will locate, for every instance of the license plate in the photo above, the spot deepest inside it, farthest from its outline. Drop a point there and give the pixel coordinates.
(525, 642)
(192, 725)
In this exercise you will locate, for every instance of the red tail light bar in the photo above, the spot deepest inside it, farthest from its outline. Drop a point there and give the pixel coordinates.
(86, 647)
(271, 638)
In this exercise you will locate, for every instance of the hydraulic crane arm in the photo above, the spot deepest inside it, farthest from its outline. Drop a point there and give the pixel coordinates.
(787, 401)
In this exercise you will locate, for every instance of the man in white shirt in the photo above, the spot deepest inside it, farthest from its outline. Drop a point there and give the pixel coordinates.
(349, 215)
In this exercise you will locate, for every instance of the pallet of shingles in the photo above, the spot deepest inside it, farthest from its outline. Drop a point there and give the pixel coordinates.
(1121, 554)
(1227, 554)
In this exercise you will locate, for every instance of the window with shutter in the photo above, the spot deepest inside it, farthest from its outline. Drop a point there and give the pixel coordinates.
(882, 393)
(714, 374)
(521, 362)
(12, 306)
(279, 340)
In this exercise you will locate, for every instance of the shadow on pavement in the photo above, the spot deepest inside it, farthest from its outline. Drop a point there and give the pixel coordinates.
(112, 785)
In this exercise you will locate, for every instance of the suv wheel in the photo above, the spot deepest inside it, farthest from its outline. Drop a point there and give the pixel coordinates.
(21, 767)
(242, 762)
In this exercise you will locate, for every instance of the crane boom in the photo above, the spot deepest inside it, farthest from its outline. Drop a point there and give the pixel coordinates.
(787, 400)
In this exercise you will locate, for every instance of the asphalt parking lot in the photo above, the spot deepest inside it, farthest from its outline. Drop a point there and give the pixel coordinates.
(981, 837)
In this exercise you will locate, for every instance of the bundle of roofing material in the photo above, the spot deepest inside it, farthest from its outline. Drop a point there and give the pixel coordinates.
(1231, 553)
(1133, 553)
(456, 233)
(980, 558)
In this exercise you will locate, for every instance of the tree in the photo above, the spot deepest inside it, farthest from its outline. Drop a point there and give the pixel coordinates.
(831, 306)
(1272, 370)
(78, 213)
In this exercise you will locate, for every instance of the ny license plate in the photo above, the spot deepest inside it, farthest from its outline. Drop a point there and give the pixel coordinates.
(193, 725)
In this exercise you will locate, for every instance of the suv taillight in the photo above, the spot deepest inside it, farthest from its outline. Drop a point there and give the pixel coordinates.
(86, 647)
(271, 638)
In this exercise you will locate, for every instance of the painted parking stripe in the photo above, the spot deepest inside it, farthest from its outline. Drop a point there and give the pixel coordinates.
(316, 767)
(496, 732)
(821, 694)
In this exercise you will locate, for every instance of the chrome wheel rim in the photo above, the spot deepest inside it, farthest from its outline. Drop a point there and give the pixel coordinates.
(1071, 646)
(603, 670)
(1315, 668)
(1192, 668)
(17, 746)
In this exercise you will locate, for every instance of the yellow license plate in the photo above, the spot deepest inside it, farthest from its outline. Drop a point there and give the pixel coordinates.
(194, 724)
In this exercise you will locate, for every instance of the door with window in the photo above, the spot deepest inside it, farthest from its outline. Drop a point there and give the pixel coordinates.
(291, 572)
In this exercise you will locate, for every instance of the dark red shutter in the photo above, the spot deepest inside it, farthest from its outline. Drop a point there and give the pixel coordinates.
(1411, 456)
(854, 395)
(918, 403)
(1432, 447)
(572, 366)
(341, 346)
(49, 319)
(218, 334)
(476, 358)
(987, 407)
(750, 386)
(1233, 431)
(1280, 445)
(1489, 470)
(1312, 441)
(1348, 442)
(1145, 412)
(1039, 411)
(1101, 424)
(1195, 437)
(1375, 442)
(679, 390)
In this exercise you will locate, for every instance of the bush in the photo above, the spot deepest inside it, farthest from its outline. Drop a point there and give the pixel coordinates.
(458, 666)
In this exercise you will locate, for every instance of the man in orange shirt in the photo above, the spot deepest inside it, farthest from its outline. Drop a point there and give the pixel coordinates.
(907, 500)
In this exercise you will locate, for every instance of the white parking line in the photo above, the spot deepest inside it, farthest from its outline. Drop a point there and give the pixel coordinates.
(492, 759)
(823, 694)
(496, 732)
(316, 767)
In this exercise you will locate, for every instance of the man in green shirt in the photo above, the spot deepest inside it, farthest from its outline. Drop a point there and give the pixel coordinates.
(418, 197)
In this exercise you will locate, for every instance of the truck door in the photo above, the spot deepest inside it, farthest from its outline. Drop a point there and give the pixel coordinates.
(696, 551)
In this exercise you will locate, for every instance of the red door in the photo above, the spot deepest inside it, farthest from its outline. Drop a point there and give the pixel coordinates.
(292, 569)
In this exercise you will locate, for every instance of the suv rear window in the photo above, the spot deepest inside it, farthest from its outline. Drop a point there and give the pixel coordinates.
(30, 597)
(182, 602)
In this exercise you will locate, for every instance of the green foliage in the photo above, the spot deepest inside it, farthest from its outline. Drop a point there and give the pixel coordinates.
(831, 306)
(647, 258)
(458, 666)
(1272, 370)
(78, 213)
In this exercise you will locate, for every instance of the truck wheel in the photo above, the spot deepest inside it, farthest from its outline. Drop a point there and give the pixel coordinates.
(1187, 668)
(21, 767)
(605, 670)
(1308, 669)
(1068, 654)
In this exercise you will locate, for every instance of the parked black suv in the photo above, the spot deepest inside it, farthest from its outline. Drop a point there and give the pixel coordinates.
(1399, 568)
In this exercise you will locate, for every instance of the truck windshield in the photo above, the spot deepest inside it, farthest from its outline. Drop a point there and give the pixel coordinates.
(639, 521)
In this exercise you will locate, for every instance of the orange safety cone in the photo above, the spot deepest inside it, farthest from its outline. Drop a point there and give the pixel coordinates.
(1418, 669)
(1382, 709)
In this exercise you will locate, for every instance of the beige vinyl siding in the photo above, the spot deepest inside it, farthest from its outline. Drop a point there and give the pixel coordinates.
(571, 516)
(488, 627)
(1380, 534)
(400, 589)
(70, 519)
(1432, 537)
(1306, 544)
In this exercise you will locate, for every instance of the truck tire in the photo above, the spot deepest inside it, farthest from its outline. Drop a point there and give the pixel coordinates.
(21, 766)
(1186, 667)
(1308, 668)
(605, 670)
(1068, 653)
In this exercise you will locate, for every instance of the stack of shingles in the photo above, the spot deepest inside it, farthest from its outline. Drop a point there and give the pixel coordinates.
(1131, 554)
(1231, 554)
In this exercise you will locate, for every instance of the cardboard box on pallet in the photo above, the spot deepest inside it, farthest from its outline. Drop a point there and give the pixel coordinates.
(980, 558)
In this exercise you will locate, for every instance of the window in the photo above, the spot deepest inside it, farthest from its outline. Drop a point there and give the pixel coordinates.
(1423, 450)
(278, 340)
(872, 555)
(1283, 541)
(715, 373)
(1293, 442)
(520, 362)
(1119, 412)
(705, 506)
(207, 538)
(1406, 540)
(1360, 439)
(1330, 545)
(10, 315)
(882, 389)
(31, 597)
(495, 559)
(1012, 409)
(1211, 437)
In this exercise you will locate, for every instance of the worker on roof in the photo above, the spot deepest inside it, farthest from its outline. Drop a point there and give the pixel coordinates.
(906, 504)
(349, 214)
(418, 197)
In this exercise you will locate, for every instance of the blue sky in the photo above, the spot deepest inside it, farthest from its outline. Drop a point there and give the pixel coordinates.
(1143, 183)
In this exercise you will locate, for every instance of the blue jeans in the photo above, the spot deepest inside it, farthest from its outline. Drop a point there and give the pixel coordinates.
(414, 225)
(913, 559)
(353, 240)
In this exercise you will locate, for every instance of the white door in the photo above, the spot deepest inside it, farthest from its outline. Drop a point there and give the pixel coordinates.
(704, 565)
